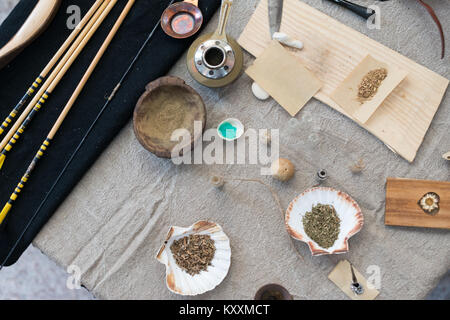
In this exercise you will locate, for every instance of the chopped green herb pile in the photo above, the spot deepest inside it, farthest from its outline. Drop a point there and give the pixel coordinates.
(193, 253)
(322, 225)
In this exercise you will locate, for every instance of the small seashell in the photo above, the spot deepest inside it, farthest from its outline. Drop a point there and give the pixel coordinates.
(217, 181)
(259, 92)
(446, 156)
(347, 209)
(358, 167)
(282, 169)
(179, 281)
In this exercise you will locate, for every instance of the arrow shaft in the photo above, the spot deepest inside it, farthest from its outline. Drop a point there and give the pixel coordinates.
(36, 84)
(63, 114)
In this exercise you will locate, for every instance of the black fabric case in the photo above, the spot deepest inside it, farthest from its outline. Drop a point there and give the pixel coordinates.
(156, 60)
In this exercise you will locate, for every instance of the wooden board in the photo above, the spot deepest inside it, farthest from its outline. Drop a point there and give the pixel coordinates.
(332, 50)
(402, 208)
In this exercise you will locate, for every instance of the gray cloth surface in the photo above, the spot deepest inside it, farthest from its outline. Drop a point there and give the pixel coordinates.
(442, 290)
(115, 220)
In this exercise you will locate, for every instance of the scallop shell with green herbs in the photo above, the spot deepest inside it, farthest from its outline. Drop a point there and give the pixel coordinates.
(178, 280)
(346, 208)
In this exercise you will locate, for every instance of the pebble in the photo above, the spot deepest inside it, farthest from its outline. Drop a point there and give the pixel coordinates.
(446, 156)
(282, 169)
(259, 92)
(287, 41)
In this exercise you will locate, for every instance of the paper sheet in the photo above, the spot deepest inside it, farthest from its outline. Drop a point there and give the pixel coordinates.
(346, 95)
(342, 277)
(284, 77)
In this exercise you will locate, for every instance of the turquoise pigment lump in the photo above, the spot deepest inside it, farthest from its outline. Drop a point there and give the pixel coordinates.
(228, 131)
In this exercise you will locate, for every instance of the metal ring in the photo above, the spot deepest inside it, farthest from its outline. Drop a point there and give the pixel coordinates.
(219, 70)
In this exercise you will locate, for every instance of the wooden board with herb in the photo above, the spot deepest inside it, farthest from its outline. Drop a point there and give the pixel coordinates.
(367, 87)
(403, 207)
(332, 50)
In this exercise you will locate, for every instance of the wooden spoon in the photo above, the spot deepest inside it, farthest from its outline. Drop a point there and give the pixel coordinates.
(38, 20)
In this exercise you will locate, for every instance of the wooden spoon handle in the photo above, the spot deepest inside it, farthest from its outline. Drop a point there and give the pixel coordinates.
(224, 14)
(194, 2)
(41, 16)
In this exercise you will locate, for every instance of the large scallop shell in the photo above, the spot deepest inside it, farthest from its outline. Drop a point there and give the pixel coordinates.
(347, 210)
(179, 281)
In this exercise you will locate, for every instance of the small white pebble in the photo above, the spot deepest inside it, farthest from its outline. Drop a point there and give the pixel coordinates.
(259, 92)
(286, 40)
(446, 156)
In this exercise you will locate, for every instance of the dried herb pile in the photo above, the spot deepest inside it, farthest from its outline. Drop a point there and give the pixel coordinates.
(193, 253)
(371, 82)
(322, 225)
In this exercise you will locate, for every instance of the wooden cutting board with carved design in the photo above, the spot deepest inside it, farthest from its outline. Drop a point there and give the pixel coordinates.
(402, 203)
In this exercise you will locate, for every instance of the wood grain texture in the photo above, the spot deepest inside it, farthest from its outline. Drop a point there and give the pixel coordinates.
(332, 50)
(402, 208)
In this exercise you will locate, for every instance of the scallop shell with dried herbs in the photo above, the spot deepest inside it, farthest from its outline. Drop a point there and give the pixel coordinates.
(346, 208)
(178, 280)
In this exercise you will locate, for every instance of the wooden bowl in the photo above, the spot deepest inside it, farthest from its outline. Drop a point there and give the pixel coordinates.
(273, 291)
(168, 104)
(181, 20)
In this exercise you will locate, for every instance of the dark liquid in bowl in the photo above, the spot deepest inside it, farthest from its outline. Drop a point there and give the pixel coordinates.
(272, 295)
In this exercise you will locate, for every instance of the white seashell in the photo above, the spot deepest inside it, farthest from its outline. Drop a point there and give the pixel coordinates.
(259, 92)
(347, 210)
(179, 281)
(217, 181)
(446, 156)
(287, 41)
